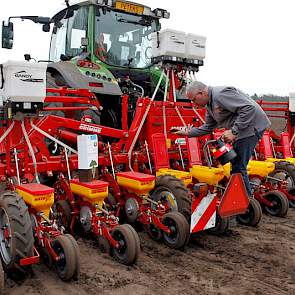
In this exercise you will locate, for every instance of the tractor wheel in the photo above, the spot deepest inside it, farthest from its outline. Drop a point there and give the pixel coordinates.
(286, 171)
(178, 226)
(221, 227)
(67, 263)
(253, 215)
(16, 234)
(77, 254)
(64, 217)
(280, 203)
(170, 189)
(127, 251)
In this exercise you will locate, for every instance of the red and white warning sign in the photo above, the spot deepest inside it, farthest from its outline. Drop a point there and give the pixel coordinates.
(203, 213)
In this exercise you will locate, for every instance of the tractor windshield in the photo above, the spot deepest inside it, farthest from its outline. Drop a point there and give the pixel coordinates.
(122, 39)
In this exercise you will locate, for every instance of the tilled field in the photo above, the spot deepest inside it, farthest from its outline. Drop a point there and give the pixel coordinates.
(246, 261)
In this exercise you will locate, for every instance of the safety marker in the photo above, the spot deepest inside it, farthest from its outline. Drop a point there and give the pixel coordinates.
(203, 213)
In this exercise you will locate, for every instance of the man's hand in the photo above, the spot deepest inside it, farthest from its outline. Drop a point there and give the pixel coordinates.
(228, 136)
(183, 131)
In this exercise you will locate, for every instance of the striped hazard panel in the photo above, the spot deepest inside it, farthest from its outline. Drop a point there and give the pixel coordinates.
(203, 213)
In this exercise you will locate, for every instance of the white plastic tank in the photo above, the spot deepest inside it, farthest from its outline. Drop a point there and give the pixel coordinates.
(87, 151)
(23, 81)
(195, 47)
(292, 102)
(171, 43)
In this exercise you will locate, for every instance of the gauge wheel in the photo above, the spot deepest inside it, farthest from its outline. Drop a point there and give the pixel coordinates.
(127, 251)
(67, 260)
(286, 171)
(178, 226)
(253, 214)
(280, 204)
(77, 254)
(221, 226)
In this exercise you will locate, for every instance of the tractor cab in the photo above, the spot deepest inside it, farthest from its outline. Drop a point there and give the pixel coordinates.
(117, 35)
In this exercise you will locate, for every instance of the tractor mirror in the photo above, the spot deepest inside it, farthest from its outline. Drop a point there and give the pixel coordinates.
(7, 35)
(46, 28)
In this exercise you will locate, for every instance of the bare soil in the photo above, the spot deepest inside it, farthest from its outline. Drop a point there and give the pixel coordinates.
(246, 260)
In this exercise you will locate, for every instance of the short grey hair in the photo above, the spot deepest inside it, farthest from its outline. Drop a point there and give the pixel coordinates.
(195, 87)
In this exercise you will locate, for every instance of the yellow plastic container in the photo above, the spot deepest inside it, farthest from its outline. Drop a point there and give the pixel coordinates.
(135, 182)
(93, 192)
(37, 196)
(212, 176)
(227, 169)
(183, 175)
(260, 168)
(290, 160)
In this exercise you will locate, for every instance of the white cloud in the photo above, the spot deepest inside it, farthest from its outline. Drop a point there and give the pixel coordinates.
(250, 44)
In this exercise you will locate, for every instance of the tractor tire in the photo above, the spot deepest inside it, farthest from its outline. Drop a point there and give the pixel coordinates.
(64, 218)
(178, 225)
(52, 82)
(77, 254)
(221, 227)
(286, 171)
(67, 264)
(253, 215)
(280, 204)
(178, 196)
(127, 253)
(19, 244)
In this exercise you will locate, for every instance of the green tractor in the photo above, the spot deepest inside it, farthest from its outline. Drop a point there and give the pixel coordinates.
(104, 46)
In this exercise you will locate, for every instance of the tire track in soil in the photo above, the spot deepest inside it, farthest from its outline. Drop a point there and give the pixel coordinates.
(244, 261)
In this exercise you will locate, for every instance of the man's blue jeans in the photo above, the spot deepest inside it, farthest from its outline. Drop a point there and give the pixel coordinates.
(244, 148)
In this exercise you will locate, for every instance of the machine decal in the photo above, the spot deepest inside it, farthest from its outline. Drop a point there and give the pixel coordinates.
(90, 128)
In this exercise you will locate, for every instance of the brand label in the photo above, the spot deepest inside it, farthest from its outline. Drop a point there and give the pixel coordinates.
(25, 77)
(86, 127)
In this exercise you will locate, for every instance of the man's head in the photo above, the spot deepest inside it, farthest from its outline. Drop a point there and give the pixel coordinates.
(197, 92)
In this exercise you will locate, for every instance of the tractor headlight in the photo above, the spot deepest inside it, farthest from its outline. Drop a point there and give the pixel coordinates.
(166, 14)
(161, 13)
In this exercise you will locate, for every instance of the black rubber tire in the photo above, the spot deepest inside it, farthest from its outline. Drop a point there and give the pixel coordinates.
(126, 254)
(77, 254)
(281, 203)
(64, 208)
(221, 227)
(253, 215)
(179, 225)
(289, 169)
(180, 192)
(22, 239)
(136, 237)
(66, 266)
(2, 279)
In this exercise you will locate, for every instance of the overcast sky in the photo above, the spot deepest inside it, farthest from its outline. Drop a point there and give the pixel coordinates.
(250, 43)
